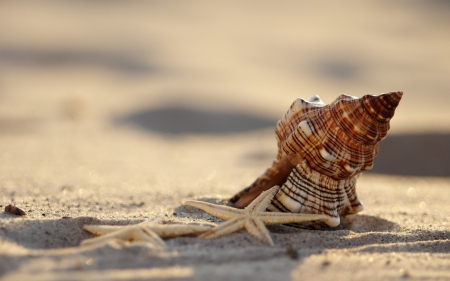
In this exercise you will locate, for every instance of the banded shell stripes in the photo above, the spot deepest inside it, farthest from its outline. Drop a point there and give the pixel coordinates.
(322, 150)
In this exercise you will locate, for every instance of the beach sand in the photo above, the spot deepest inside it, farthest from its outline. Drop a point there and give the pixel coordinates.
(114, 113)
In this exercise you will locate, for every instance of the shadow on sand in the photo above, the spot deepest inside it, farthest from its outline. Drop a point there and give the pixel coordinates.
(180, 120)
(124, 62)
(414, 155)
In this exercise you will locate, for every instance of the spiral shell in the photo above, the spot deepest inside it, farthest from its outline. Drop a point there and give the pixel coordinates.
(322, 150)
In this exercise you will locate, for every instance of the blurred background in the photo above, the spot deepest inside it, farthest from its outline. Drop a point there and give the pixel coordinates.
(138, 92)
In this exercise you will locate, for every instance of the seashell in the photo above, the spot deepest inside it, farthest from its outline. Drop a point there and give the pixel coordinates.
(322, 150)
(14, 210)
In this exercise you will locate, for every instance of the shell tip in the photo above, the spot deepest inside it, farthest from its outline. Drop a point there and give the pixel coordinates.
(382, 107)
(394, 97)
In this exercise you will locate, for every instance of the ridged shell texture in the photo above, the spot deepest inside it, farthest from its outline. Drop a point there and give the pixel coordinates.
(322, 151)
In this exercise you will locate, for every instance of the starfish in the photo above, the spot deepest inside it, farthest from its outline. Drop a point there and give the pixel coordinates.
(145, 231)
(253, 218)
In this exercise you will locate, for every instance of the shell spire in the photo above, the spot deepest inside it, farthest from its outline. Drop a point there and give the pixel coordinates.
(322, 149)
(365, 120)
(382, 107)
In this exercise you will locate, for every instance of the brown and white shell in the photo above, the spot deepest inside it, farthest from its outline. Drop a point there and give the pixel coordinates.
(322, 149)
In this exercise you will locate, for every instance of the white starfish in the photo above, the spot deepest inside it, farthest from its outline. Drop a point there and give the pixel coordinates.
(253, 218)
(145, 231)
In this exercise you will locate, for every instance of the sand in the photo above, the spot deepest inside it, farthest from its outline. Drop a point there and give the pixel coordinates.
(114, 113)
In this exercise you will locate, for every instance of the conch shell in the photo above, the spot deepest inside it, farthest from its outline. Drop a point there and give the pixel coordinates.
(322, 150)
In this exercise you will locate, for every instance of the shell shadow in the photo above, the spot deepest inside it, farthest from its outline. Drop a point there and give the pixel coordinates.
(363, 233)
(180, 120)
(355, 223)
(366, 223)
(414, 155)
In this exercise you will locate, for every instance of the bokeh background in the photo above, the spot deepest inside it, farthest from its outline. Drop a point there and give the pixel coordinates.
(133, 93)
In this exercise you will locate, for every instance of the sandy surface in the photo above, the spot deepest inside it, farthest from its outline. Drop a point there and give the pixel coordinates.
(114, 113)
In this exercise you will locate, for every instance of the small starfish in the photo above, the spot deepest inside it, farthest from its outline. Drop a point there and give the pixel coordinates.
(253, 218)
(145, 231)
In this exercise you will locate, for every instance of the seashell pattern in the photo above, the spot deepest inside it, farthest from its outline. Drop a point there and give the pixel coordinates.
(322, 150)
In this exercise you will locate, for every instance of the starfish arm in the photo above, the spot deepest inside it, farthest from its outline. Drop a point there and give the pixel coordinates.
(223, 212)
(101, 229)
(261, 203)
(271, 218)
(166, 231)
(257, 228)
(145, 234)
(127, 233)
(96, 240)
(225, 228)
